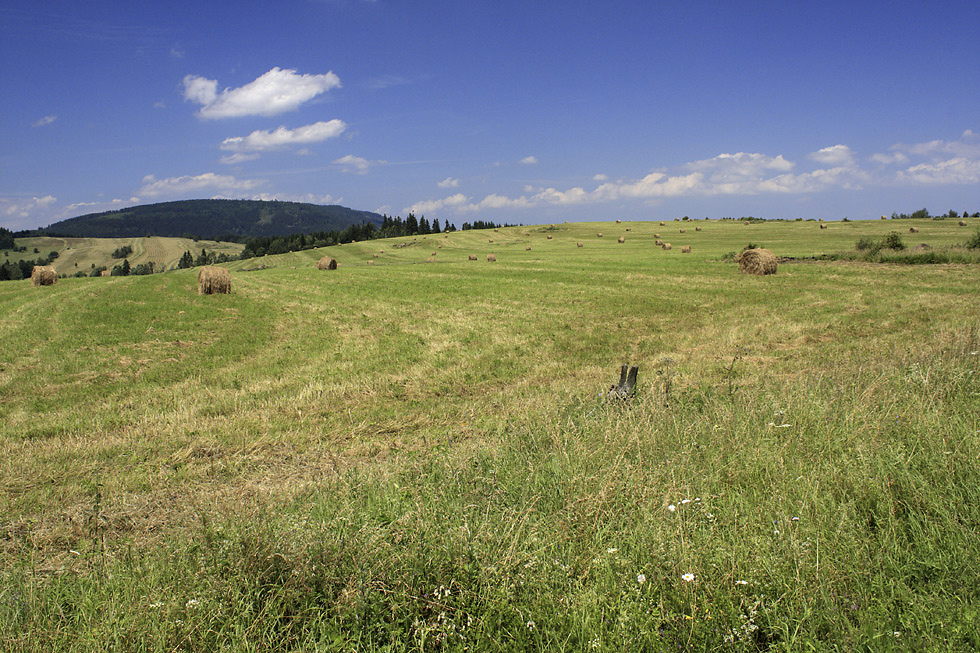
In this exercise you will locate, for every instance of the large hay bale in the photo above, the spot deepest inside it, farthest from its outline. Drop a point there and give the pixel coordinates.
(823, 226)
(884, 217)
(685, 249)
(212, 280)
(666, 246)
(473, 257)
(683, 231)
(579, 245)
(913, 230)
(622, 239)
(327, 263)
(656, 235)
(661, 224)
(527, 249)
(962, 223)
(757, 261)
(599, 235)
(619, 222)
(658, 242)
(697, 228)
(491, 258)
(549, 236)
(43, 275)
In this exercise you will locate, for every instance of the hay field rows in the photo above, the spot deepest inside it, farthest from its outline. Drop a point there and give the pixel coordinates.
(82, 254)
(414, 453)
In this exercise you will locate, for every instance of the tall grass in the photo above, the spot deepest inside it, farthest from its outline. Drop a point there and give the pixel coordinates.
(426, 461)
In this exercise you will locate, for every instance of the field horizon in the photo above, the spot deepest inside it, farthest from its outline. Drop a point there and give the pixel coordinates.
(416, 451)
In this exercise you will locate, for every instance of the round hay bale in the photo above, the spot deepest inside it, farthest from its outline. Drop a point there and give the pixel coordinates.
(884, 217)
(43, 275)
(666, 246)
(105, 273)
(683, 231)
(962, 223)
(549, 236)
(913, 230)
(757, 261)
(327, 263)
(823, 226)
(579, 245)
(685, 249)
(599, 235)
(656, 235)
(622, 239)
(629, 229)
(432, 254)
(491, 258)
(212, 280)
(491, 240)
(370, 261)
(658, 242)
(619, 222)
(661, 224)
(697, 228)
(374, 256)
(473, 257)
(527, 249)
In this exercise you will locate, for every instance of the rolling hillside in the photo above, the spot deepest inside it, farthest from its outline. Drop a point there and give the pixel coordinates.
(213, 219)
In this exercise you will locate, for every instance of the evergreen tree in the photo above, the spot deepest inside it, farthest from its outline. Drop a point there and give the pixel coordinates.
(411, 225)
(435, 226)
(186, 261)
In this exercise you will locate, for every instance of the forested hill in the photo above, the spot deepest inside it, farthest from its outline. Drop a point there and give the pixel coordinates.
(212, 219)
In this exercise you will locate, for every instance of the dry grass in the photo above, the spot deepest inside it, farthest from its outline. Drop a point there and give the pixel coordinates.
(327, 263)
(213, 280)
(43, 275)
(757, 261)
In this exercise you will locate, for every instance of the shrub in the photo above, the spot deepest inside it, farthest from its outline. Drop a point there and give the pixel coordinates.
(893, 241)
(974, 241)
(869, 244)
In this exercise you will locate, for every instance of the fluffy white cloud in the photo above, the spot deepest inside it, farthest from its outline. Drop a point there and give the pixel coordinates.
(529, 160)
(260, 140)
(356, 164)
(835, 155)
(600, 177)
(449, 182)
(24, 207)
(308, 198)
(742, 165)
(431, 206)
(953, 171)
(275, 92)
(895, 158)
(209, 181)
(46, 120)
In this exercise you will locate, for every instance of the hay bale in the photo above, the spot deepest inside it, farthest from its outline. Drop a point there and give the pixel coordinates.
(527, 249)
(757, 261)
(658, 242)
(823, 226)
(666, 246)
(683, 231)
(622, 239)
(962, 223)
(370, 261)
(327, 263)
(884, 217)
(685, 249)
(579, 245)
(43, 275)
(549, 236)
(473, 257)
(212, 280)
(491, 258)
(619, 222)
(656, 235)
(432, 254)
(697, 228)
(105, 273)
(599, 235)
(629, 228)
(913, 230)
(661, 224)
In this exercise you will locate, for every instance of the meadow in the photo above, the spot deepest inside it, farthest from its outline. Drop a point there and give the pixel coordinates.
(415, 452)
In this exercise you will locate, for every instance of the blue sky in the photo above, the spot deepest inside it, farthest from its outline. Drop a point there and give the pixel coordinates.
(532, 111)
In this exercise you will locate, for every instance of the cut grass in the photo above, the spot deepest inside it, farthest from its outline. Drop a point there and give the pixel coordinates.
(411, 455)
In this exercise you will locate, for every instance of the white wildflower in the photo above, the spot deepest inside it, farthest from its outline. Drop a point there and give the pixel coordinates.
(685, 502)
(641, 578)
(611, 550)
(193, 603)
(672, 507)
(687, 578)
(741, 582)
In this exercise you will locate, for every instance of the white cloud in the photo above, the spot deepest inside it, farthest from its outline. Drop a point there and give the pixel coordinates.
(238, 157)
(835, 155)
(529, 160)
(449, 182)
(260, 140)
(430, 206)
(275, 92)
(209, 181)
(46, 120)
(953, 171)
(742, 165)
(356, 164)
(896, 158)
(17, 208)
(600, 177)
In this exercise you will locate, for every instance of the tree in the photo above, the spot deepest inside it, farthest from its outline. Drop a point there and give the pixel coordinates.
(186, 261)
(435, 226)
(411, 225)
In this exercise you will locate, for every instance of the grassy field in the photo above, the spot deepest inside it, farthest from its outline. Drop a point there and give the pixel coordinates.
(414, 452)
(83, 254)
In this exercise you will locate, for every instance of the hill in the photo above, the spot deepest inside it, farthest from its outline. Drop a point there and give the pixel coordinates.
(212, 219)
(415, 451)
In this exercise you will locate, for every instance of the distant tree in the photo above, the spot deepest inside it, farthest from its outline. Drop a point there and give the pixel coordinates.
(6, 238)
(435, 226)
(921, 214)
(186, 261)
(411, 225)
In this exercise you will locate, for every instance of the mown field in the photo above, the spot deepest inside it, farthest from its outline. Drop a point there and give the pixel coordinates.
(83, 254)
(417, 453)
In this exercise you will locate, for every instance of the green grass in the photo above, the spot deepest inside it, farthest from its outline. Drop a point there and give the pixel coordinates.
(83, 254)
(416, 455)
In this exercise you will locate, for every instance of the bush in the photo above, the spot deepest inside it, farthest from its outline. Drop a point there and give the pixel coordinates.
(974, 241)
(893, 241)
(869, 244)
